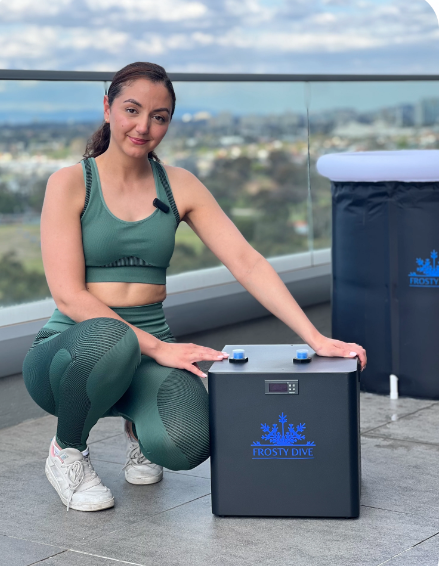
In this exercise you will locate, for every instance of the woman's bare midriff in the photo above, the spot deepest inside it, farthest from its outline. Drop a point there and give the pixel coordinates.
(120, 294)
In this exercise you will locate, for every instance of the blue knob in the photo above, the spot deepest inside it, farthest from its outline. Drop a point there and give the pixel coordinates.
(238, 354)
(302, 354)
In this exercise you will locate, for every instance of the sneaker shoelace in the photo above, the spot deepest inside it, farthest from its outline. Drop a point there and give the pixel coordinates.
(80, 472)
(135, 456)
(75, 475)
(89, 472)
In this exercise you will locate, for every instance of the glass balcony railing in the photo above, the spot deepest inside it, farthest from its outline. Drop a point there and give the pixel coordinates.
(254, 144)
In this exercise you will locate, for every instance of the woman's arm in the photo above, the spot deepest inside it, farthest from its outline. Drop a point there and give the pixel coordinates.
(203, 214)
(64, 266)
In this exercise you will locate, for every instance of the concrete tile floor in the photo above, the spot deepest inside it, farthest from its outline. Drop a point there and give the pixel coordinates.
(170, 523)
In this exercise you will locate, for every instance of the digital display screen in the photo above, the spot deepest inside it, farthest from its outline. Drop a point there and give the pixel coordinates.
(272, 387)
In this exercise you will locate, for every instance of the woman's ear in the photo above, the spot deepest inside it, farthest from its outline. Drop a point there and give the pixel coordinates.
(106, 108)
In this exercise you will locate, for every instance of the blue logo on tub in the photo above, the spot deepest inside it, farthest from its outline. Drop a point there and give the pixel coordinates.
(287, 444)
(427, 272)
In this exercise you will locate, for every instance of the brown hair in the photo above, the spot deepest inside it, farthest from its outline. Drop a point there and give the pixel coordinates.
(100, 140)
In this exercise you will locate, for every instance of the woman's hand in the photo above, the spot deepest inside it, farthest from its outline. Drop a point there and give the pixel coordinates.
(186, 356)
(336, 348)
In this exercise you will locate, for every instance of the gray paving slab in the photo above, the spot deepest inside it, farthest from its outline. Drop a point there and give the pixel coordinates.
(201, 471)
(19, 552)
(72, 558)
(190, 534)
(400, 476)
(31, 438)
(34, 436)
(16, 405)
(378, 410)
(421, 426)
(113, 450)
(424, 554)
(106, 428)
(29, 503)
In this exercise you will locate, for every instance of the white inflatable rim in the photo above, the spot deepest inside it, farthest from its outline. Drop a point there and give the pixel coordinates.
(413, 165)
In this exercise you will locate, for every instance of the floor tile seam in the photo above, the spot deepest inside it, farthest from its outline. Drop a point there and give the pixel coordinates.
(401, 418)
(35, 541)
(407, 549)
(393, 511)
(401, 440)
(180, 505)
(187, 475)
(145, 519)
(395, 556)
(47, 558)
(95, 459)
(106, 438)
(25, 422)
(106, 557)
(425, 540)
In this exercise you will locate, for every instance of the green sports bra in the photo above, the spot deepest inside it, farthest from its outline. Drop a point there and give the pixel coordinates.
(118, 250)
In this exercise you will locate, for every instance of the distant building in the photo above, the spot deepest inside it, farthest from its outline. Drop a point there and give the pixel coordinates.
(427, 112)
(223, 123)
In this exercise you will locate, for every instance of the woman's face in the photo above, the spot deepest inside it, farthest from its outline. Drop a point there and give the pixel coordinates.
(139, 117)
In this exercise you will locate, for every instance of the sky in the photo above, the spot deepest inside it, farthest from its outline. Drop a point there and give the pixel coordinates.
(234, 36)
(223, 36)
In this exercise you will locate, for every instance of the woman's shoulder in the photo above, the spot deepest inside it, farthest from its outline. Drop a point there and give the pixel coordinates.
(187, 189)
(68, 182)
(181, 179)
(175, 171)
(69, 174)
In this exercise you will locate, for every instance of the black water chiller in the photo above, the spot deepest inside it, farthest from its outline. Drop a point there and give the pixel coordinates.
(285, 437)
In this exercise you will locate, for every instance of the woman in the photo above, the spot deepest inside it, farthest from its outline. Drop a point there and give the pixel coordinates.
(107, 235)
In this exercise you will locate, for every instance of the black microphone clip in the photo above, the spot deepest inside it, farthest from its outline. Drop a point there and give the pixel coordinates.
(160, 205)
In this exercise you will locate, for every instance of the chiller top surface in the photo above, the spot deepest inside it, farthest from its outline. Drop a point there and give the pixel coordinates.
(417, 165)
(278, 358)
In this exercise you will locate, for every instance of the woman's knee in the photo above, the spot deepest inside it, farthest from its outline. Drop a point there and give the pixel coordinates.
(97, 337)
(36, 376)
(109, 330)
(176, 452)
(182, 403)
(107, 351)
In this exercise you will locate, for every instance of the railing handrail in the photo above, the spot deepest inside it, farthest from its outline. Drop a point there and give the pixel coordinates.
(35, 75)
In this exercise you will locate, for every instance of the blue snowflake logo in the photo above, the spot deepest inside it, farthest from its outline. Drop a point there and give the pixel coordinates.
(286, 437)
(427, 266)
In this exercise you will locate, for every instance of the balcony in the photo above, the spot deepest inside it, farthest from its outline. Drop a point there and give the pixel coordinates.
(259, 127)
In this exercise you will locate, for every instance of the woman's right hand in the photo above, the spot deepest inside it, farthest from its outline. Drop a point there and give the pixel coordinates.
(186, 356)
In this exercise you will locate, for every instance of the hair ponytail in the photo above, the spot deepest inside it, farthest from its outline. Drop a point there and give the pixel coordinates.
(100, 140)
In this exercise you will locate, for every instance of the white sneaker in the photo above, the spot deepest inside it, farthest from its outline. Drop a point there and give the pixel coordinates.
(138, 469)
(78, 485)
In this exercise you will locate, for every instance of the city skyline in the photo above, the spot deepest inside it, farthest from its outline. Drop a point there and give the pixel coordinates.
(40, 101)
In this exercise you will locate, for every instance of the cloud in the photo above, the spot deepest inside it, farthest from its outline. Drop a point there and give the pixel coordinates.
(29, 8)
(218, 35)
(165, 10)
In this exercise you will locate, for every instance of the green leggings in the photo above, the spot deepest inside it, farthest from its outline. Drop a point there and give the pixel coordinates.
(83, 371)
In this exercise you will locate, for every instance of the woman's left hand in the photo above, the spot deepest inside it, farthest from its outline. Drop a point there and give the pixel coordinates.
(336, 348)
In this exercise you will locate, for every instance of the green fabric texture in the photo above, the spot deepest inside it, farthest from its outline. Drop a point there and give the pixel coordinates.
(84, 371)
(118, 250)
(170, 410)
(80, 373)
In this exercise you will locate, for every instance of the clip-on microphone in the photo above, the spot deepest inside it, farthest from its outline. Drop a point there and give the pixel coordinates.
(160, 205)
